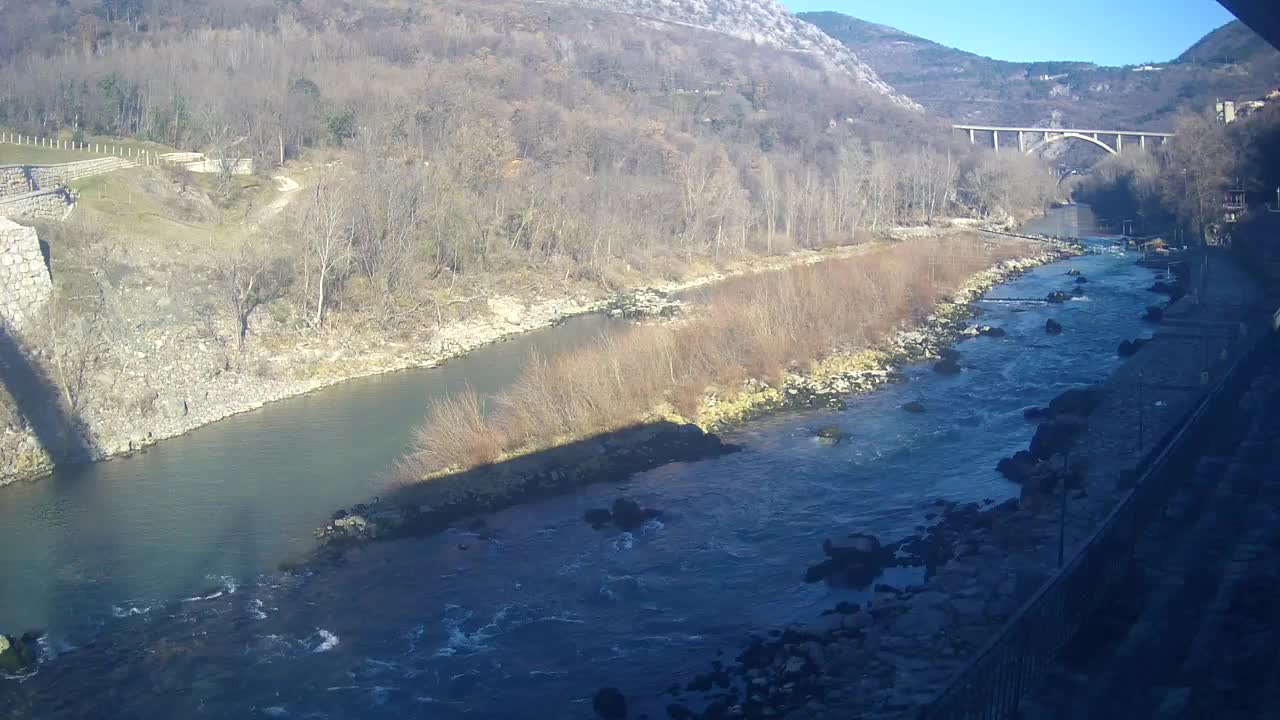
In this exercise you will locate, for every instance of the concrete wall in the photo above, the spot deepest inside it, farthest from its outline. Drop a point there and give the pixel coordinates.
(53, 205)
(25, 285)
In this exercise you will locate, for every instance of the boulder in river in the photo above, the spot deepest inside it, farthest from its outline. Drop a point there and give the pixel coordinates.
(17, 654)
(1081, 280)
(1073, 271)
(1057, 297)
(854, 560)
(1077, 291)
(598, 517)
(988, 331)
(830, 434)
(1054, 437)
(1019, 468)
(1052, 327)
(946, 366)
(1035, 413)
(628, 515)
(610, 704)
(915, 406)
(1076, 401)
(1130, 347)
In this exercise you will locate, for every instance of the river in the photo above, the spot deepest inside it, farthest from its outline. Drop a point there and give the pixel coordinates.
(154, 576)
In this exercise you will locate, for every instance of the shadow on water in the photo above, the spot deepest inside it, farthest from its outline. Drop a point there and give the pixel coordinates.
(427, 507)
(57, 427)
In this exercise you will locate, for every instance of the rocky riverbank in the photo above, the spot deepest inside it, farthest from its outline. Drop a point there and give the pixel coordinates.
(180, 378)
(889, 656)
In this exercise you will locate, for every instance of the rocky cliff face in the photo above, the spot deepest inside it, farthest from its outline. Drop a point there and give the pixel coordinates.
(761, 21)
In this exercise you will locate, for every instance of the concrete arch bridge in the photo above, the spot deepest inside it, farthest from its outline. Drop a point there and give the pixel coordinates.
(1034, 139)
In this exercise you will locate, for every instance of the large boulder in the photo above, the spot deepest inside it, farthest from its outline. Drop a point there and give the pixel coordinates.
(628, 515)
(1019, 468)
(831, 434)
(1130, 347)
(915, 406)
(854, 560)
(610, 704)
(947, 366)
(1076, 401)
(598, 518)
(1054, 437)
(1052, 327)
(1057, 297)
(989, 331)
(17, 654)
(1081, 280)
(1073, 271)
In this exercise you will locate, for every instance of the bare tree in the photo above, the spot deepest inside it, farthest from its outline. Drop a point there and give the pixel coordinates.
(252, 276)
(328, 235)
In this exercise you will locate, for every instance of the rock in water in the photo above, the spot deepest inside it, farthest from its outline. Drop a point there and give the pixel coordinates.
(1035, 413)
(16, 655)
(1076, 401)
(1073, 271)
(610, 704)
(1054, 437)
(855, 560)
(989, 331)
(915, 406)
(946, 366)
(1082, 280)
(1056, 297)
(830, 433)
(1077, 291)
(1130, 347)
(628, 514)
(1052, 327)
(598, 517)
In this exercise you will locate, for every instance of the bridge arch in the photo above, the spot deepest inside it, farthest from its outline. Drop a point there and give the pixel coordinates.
(1073, 135)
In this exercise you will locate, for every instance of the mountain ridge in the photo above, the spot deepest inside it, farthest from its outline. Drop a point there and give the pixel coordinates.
(1229, 62)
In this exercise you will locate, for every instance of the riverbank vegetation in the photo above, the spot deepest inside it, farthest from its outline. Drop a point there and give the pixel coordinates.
(752, 329)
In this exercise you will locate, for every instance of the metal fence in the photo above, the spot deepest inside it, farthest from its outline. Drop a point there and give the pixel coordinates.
(993, 683)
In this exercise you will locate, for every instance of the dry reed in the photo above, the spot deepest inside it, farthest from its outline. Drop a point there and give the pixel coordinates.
(757, 327)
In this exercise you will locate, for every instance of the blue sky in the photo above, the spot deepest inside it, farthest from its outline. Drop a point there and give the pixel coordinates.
(1108, 32)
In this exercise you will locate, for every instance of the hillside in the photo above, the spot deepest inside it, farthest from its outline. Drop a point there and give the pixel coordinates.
(758, 21)
(1231, 62)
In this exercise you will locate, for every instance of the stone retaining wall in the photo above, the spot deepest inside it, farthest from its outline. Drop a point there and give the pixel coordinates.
(25, 285)
(52, 204)
(23, 179)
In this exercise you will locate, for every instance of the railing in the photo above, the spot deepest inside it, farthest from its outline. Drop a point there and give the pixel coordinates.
(993, 683)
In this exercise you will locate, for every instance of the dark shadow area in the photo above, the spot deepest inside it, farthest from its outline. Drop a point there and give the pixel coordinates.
(431, 505)
(59, 431)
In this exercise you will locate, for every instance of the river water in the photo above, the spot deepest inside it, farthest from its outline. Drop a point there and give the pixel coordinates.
(530, 611)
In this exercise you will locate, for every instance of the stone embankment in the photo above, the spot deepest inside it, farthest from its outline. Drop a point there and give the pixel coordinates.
(890, 657)
(25, 285)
